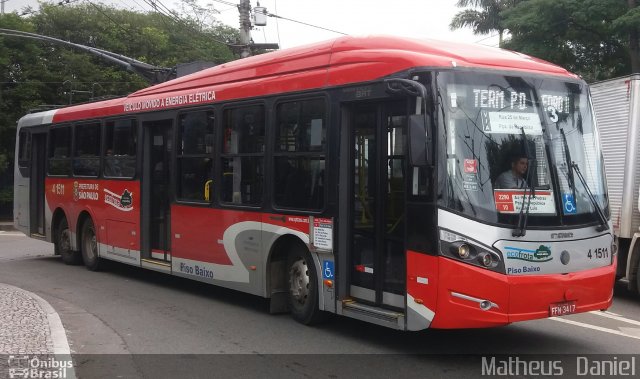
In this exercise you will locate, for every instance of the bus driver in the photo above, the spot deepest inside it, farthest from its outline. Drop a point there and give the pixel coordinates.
(514, 178)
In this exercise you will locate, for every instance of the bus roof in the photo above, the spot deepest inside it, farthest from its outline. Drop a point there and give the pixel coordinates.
(335, 62)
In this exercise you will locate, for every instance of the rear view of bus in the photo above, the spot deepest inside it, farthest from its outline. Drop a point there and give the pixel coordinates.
(523, 212)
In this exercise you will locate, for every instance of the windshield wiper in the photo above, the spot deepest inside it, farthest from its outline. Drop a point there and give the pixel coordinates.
(521, 230)
(604, 225)
(568, 161)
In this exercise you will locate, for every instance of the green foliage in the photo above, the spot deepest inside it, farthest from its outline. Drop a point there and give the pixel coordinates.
(588, 37)
(36, 73)
(597, 39)
(628, 21)
(4, 162)
(6, 195)
(485, 17)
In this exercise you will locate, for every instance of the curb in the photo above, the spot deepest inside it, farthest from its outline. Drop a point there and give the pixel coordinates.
(58, 334)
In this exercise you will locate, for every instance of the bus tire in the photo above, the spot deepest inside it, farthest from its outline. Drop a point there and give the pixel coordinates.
(638, 280)
(62, 244)
(303, 287)
(89, 246)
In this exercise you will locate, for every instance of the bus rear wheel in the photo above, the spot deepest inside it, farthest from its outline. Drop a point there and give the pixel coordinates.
(62, 244)
(89, 246)
(638, 278)
(303, 287)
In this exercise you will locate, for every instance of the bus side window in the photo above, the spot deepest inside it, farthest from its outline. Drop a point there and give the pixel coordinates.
(86, 160)
(24, 149)
(60, 151)
(242, 158)
(194, 156)
(299, 158)
(121, 137)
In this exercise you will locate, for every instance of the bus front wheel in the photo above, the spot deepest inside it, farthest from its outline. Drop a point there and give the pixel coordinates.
(62, 244)
(303, 287)
(90, 246)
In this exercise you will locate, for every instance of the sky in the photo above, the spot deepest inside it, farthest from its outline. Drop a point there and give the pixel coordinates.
(406, 18)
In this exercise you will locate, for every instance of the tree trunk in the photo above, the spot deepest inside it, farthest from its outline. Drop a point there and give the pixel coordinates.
(634, 45)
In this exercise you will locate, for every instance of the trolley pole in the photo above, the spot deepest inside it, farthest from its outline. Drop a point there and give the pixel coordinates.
(245, 27)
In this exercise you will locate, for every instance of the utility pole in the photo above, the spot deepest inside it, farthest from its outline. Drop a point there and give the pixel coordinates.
(2, 6)
(245, 27)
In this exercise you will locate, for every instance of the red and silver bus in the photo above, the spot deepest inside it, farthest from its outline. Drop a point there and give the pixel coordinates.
(410, 184)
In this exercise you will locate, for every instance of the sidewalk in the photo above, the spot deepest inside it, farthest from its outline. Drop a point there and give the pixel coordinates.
(31, 335)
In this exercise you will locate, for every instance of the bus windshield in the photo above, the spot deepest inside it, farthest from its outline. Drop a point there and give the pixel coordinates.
(512, 140)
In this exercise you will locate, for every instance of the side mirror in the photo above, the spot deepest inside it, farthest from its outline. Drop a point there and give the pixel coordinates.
(418, 133)
(418, 141)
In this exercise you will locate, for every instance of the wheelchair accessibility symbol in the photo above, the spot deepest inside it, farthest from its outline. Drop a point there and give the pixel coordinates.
(568, 204)
(327, 269)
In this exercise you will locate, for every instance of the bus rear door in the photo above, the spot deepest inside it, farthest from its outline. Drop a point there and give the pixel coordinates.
(156, 180)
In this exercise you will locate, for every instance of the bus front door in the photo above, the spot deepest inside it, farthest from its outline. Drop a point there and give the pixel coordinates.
(156, 179)
(377, 272)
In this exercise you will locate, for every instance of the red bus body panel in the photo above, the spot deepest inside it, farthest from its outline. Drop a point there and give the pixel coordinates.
(519, 298)
(346, 60)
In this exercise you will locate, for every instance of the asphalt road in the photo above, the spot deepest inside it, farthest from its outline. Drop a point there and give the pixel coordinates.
(129, 322)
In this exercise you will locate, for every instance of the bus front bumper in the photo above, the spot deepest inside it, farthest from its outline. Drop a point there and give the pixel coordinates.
(471, 297)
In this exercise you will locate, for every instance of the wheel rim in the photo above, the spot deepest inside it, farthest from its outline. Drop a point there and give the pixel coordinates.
(65, 240)
(299, 281)
(91, 244)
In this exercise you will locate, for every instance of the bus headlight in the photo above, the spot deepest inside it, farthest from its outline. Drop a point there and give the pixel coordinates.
(464, 251)
(485, 259)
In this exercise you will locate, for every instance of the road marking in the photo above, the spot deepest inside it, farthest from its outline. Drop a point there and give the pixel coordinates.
(589, 326)
(614, 316)
(631, 331)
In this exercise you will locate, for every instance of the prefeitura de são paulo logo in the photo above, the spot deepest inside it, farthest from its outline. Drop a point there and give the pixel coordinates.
(75, 191)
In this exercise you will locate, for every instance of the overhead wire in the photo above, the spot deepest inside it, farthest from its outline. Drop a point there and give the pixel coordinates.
(177, 19)
(304, 23)
(132, 8)
(168, 11)
(486, 38)
(227, 3)
(105, 14)
(140, 5)
(286, 18)
(59, 4)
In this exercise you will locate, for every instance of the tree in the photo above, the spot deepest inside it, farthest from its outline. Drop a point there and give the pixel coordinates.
(484, 21)
(593, 38)
(629, 23)
(34, 73)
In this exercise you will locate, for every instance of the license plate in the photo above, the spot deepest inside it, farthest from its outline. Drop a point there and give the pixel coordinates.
(561, 309)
